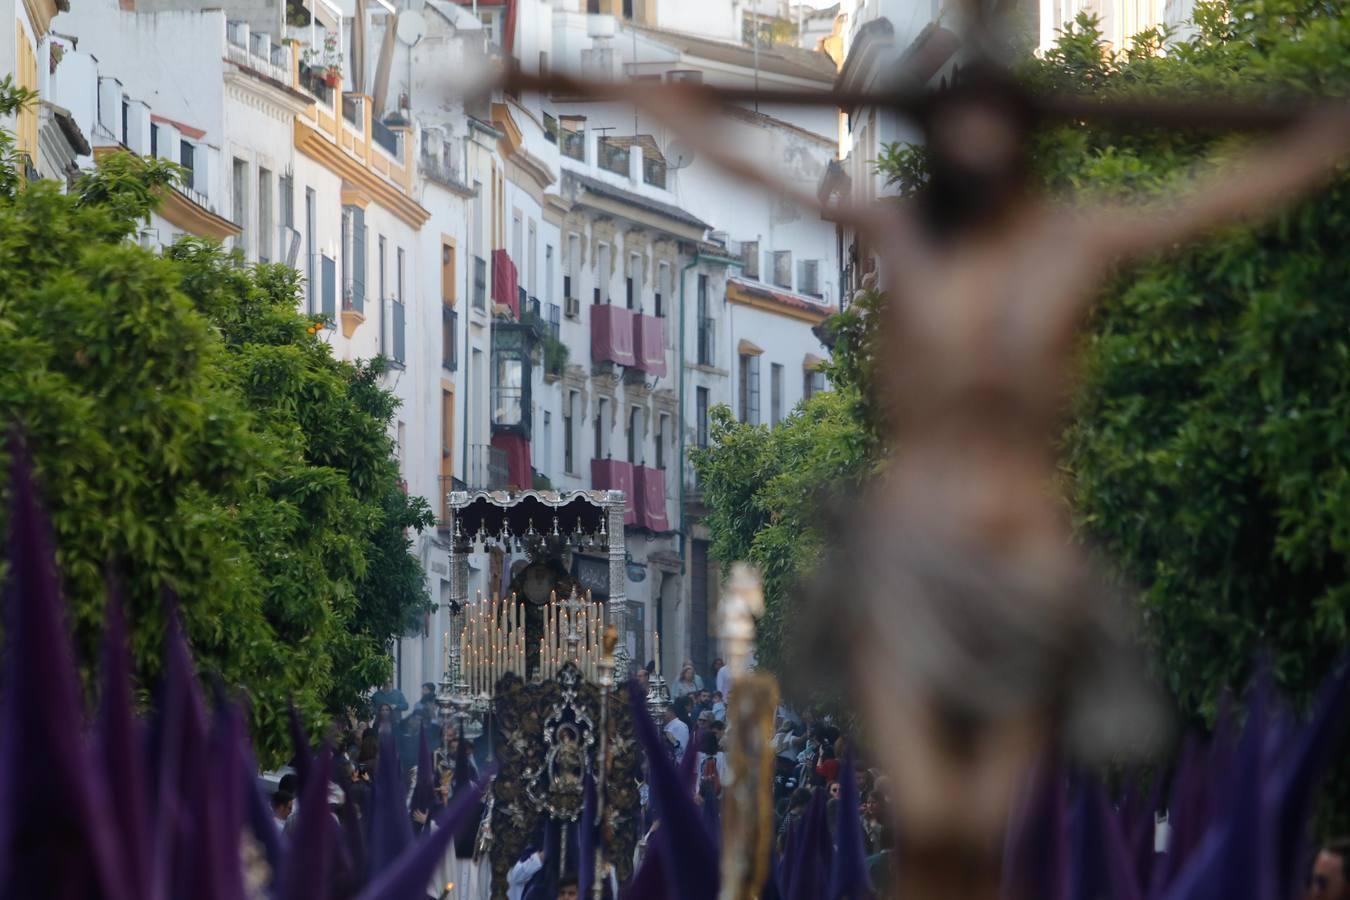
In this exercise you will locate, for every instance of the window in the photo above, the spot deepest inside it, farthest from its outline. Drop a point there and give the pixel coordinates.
(813, 383)
(548, 273)
(555, 320)
(508, 390)
(449, 334)
(478, 223)
(808, 277)
(400, 350)
(706, 326)
(662, 429)
(154, 140)
(571, 266)
(479, 283)
(548, 442)
(448, 274)
(329, 267)
(311, 222)
(382, 265)
(750, 259)
(628, 9)
(635, 435)
(345, 250)
(569, 421)
(126, 114)
(286, 191)
(593, 7)
(701, 411)
(775, 394)
(264, 215)
(662, 287)
(186, 157)
(602, 274)
(601, 428)
(532, 261)
(749, 387)
(239, 201)
(634, 296)
(517, 235)
(782, 268)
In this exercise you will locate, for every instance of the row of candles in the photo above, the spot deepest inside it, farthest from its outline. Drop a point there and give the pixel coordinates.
(492, 643)
(574, 631)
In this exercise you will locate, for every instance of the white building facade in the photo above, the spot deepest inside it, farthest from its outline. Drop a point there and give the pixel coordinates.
(561, 291)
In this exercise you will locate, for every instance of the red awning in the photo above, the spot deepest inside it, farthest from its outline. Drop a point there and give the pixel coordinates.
(616, 475)
(520, 474)
(612, 335)
(505, 282)
(650, 485)
(649, 344)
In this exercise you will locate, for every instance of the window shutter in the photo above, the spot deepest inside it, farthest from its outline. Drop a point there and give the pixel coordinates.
(754, 390)
(330, 288)
(359, 261)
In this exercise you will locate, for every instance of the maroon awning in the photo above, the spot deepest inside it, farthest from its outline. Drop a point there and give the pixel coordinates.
(650, 485)
(612, 335)
(519, 473)
(649, 344)
(505, 282)
(616, 475)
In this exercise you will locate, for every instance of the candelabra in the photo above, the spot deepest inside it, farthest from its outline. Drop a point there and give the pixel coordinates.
(658, 693)
(456, 704)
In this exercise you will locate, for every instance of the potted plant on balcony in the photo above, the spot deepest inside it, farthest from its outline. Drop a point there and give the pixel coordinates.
(326, 62)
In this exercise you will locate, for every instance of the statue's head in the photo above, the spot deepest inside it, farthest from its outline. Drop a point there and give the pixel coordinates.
(977, 133)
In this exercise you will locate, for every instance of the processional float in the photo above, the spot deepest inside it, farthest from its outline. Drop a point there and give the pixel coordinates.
(534, 667)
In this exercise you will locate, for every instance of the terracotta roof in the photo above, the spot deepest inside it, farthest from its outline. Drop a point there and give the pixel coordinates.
(791, 61)
(760, 293)
(186, 130)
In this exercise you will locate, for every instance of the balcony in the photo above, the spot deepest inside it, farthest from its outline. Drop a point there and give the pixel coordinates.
(353, 112)
(649, 498)
(573, 144)
(615, 475)
(317, 82)
(613, 156)
(612, 335)
(649, 344)
(512, 406)
(337, 131)
(654, 172)
(257, 51)
(487, 468)
(386, 138)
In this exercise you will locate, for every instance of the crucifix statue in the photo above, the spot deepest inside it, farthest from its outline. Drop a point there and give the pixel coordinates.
(978, 634)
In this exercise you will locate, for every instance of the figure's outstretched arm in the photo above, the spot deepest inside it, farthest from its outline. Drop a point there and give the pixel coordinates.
(1259, 183)
(695, 114)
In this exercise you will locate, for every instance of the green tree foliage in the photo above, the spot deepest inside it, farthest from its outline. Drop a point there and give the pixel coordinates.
(766, 489)
(191, 431)
(1206, 449)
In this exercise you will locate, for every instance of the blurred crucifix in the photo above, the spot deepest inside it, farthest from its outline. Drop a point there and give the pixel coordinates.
(978, 635)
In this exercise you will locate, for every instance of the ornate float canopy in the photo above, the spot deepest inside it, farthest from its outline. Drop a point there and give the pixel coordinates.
(489, 515)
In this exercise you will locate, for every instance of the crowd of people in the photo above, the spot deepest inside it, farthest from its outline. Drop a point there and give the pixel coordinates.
(808, 751)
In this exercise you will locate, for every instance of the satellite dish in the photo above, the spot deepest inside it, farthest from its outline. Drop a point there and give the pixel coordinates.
(411, 27)
(678, 155)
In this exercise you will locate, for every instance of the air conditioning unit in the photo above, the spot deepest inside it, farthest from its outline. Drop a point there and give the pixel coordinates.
(572, 307)
(290, 245)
